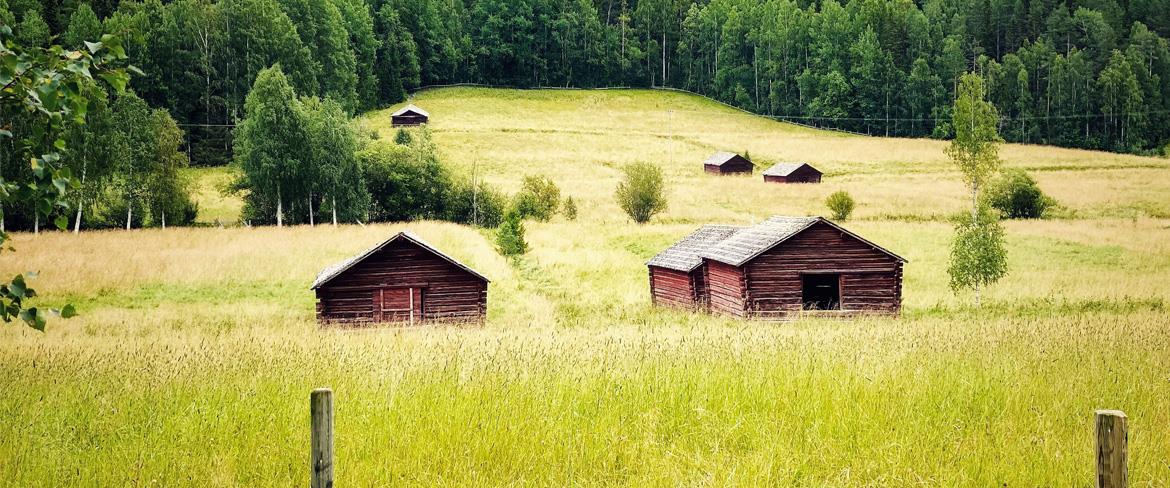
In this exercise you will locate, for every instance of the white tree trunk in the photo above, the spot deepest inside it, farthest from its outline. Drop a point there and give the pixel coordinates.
(333, 205)
(279, 209)
(129, 214)
(77, 221)
(36, 223)
(164, 219)
(311, 222)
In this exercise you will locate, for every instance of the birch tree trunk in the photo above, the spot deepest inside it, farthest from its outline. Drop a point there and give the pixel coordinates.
(279, 209)
(129, 213)
(333, 206)
(311, 222)
(36, 223)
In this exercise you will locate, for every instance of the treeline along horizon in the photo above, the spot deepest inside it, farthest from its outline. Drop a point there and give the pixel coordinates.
(1088, 74)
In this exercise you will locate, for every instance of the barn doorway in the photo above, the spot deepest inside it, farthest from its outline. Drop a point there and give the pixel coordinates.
(821, 291)
(398, 304)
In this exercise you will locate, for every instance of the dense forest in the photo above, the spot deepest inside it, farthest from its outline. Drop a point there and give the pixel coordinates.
(1084, 73)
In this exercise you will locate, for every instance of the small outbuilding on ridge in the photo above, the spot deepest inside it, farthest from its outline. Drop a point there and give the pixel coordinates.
(792, 173)
(726, 163)
(409, 115)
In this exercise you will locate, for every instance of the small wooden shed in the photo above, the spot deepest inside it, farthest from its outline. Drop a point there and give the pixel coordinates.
(780, 267)
(727, 163)
(792, 173)
(677, 274)
(409, 115)
(404, 281)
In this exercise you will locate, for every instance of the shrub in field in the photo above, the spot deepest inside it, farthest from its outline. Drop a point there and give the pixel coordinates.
(640, 194)
(539, 198)
(510, 235)
(1017, 196)
(841, 204)
(405, 183)
(569, 208)
(481, 204)
(402, 137)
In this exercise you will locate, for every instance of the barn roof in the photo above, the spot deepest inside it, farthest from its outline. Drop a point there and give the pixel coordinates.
(720, 158)
(749, 242)
(684, 254)
(785, 169)
(410, 108)
(336, 269)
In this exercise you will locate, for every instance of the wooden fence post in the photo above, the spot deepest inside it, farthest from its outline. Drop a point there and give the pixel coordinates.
(321, 441)
(1112, 449)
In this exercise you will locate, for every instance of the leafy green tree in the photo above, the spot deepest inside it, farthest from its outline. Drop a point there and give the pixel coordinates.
(397, 64)
(41, 84)
(83, 25)
(134, 154)
(269, 144)
(402, 137)
(539, 198)
(841, 204)
(167, 187)
(479, 204)
(510, 235)
(92, 150)
(339, 180)
(570, 208)
(977, 257)
(641, 194)
(322, 30)
(359, 24)
(405, 182)
(32, 30)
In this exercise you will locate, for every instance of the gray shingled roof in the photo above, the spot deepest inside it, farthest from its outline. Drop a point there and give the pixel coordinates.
(684, 254)
(750, 242)
(411, 108)
(785, 169)
(719, 158)
(336, 269)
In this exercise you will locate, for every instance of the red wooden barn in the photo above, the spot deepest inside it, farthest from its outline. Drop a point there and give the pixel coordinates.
(677, 274)
(779, 267)
(727, 163)
(409, 116)
(403, 280)
(792, 173)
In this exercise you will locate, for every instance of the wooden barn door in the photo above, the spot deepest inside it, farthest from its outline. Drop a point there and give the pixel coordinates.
(398, 304)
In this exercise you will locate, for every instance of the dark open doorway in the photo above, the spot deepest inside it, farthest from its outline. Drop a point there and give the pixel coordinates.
(821, 291)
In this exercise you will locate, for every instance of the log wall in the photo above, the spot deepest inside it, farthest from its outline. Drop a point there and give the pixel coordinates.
(449, 293)
(871, 280)
(673, 288)
(726, 287)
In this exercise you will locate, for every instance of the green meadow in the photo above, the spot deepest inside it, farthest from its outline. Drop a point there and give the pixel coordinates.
(196, 348)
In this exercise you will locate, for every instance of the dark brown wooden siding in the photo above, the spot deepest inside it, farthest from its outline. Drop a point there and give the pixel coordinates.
(670, 287)
(726, 287)
(449, 293)
(871, 280)
(802, 175)
(407, 120)
(738, 165)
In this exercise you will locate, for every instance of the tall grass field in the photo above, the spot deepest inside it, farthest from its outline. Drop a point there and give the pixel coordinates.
(196, 348)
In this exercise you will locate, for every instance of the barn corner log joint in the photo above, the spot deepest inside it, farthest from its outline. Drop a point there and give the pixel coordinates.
(780, 267)
(404, 280)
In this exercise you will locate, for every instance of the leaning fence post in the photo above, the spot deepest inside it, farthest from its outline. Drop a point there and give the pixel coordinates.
(1112, 449)
(321, 441)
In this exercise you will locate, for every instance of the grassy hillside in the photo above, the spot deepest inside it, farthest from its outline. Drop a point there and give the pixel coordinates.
(193, 359)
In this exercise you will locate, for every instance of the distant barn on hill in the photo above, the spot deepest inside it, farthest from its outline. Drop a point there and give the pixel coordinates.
(792, 173)
(408, 116)
(726, 163)
(403, 280)
(776, 268)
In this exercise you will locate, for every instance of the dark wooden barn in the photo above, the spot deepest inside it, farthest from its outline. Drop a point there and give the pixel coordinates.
(727, 163)
(780, 267)
(403, 280)
(792, 173)
(409, 116)
(677, 274)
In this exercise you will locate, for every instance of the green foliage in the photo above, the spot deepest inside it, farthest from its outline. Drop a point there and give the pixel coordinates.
(45, 87)
(978, 257)
(270, 147)
(510, 235)
(841, 204)
(569, 208)
(405, 182)
(334, 176)
(975, 148)
(402, 137)
(641, 192)
(1016, 195)
(480, 204)
(539, 198)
